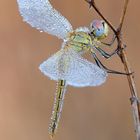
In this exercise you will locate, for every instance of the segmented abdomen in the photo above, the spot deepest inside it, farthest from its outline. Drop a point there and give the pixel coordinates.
(57, 108)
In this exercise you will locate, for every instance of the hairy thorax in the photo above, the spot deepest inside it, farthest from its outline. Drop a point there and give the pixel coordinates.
(79, 41)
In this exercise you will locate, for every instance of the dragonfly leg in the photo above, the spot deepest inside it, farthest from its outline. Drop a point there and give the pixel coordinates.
(120, 49)
(107, 55)
(111, 42)
(99, 64)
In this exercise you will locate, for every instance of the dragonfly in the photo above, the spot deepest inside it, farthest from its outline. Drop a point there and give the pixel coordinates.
(68, 66)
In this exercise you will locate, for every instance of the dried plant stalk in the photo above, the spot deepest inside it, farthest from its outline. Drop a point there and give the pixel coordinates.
(122, 54)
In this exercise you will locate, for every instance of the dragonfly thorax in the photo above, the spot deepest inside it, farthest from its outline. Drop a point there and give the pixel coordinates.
(79, 41)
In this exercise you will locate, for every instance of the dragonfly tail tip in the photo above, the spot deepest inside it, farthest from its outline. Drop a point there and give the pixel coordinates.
(52, 135)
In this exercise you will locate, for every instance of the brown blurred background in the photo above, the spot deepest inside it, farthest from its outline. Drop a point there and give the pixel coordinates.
(26, 95)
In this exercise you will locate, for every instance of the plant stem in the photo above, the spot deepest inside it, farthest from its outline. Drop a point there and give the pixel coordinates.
(132, 86)
(134, 97)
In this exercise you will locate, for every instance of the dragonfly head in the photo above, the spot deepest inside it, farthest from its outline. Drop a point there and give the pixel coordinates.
(99, 29)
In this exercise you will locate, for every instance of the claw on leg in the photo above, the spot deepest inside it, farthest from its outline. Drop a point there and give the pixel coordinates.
(118, 50)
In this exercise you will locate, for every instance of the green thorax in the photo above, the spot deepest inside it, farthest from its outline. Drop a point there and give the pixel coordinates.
(80, 41)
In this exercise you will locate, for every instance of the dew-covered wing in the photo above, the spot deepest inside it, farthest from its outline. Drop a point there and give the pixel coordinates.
(41, 15)
(84, 73)
(77, 71)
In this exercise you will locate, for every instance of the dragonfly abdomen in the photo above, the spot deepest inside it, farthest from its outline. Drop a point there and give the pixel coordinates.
(58, 104)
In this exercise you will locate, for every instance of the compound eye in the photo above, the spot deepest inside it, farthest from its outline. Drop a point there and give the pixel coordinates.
(99, 29)
(105, 28)
(103, 23)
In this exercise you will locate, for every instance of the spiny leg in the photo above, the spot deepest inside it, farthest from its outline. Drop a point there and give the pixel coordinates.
(107, 55)
(116, 51)
(99, 64)
(58, 104)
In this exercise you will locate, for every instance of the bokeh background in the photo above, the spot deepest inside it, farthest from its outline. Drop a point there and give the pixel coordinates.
(26, 95)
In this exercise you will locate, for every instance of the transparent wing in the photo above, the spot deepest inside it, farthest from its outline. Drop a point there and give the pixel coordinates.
(77, 71)
(50, 66)
(84, 73)
(41, 15)
(83, 29)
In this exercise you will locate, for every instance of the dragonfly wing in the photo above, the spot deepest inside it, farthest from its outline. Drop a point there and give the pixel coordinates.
(76, 70)
(41, 15)
(57, 66)
(50, 66)
(84, 73)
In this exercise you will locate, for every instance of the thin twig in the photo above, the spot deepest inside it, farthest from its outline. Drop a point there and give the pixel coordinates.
(123, 14)
(134, 97)
(132, 86)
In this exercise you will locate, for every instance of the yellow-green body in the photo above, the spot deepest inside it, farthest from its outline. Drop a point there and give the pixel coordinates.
(59, 97)
(80, 41)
